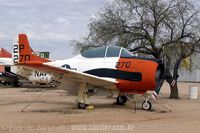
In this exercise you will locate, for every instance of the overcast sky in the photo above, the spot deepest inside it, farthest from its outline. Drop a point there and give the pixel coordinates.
(50, 24)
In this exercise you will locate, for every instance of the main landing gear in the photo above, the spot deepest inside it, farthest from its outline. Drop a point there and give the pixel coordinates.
(83, 99)
(122, 99)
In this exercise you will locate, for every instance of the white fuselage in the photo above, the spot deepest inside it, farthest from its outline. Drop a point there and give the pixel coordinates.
(80, 64)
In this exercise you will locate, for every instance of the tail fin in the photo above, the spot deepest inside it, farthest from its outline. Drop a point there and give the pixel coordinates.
(22, 52)
(4, 53)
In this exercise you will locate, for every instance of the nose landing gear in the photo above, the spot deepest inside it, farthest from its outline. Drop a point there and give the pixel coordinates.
(122, 99)
(146, 105)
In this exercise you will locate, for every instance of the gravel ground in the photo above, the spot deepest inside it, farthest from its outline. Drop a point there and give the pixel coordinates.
(54, 111)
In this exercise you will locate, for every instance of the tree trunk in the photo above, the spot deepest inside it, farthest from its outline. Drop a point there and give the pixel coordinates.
(172, 80)
(174, 94)
(174, 91)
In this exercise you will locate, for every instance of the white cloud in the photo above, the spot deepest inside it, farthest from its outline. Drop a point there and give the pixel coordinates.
(47, 20)
(63, 21)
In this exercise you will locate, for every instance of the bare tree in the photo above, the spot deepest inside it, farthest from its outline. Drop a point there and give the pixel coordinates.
(163, 29)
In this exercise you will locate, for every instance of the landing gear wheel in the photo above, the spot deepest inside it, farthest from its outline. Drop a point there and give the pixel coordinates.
(121, 100)
(82, 106)
(85, 106)
(146, 105)
(16, 84)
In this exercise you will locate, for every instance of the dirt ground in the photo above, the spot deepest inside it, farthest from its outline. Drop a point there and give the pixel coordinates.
(54, 111)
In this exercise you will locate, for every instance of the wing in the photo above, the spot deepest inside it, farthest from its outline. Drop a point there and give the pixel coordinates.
(72, 74)
(6, 61)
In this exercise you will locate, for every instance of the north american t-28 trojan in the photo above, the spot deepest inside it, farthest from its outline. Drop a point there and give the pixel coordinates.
(109, 68)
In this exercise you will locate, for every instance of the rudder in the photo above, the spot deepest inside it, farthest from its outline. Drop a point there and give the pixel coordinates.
(22, 52)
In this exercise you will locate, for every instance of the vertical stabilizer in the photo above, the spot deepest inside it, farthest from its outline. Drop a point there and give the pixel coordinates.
(22, 52)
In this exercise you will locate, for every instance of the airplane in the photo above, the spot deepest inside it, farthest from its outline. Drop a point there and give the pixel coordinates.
(7, 77)
(11, 72)
(5, 58)
(109, 68)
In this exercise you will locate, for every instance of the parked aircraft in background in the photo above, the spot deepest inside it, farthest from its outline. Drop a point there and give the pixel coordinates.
(109, 68)
(6, 76)
(9, 73)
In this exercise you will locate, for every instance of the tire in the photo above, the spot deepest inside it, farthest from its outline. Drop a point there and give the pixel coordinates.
(121, 100)
(16, 84)
(82, 105)
(146, 105)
